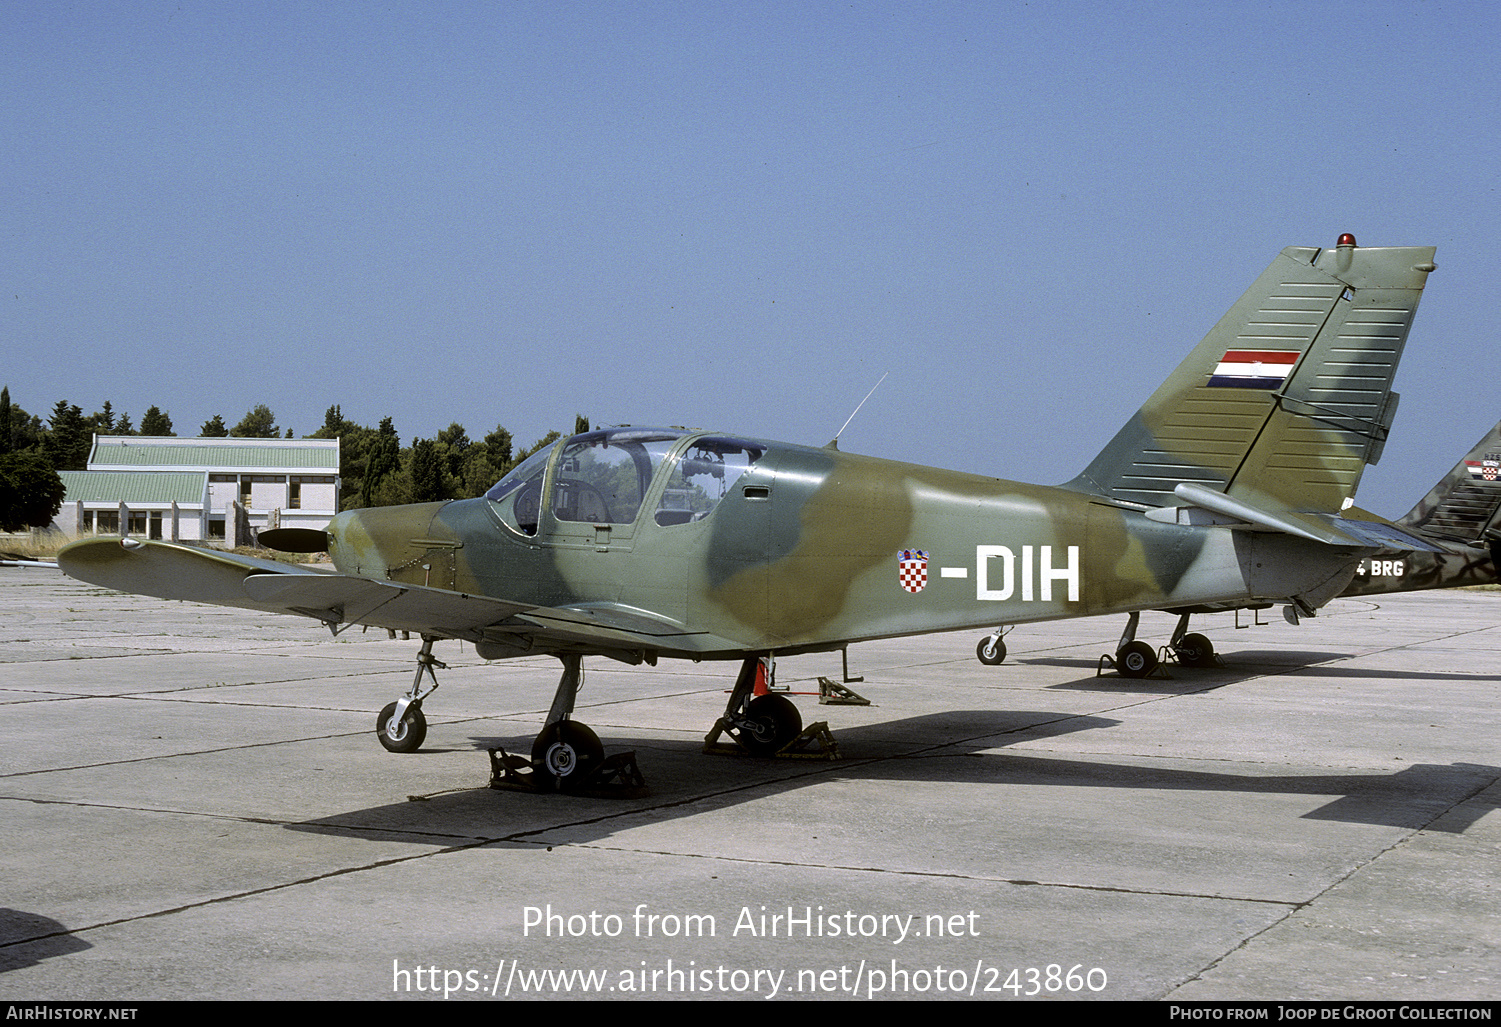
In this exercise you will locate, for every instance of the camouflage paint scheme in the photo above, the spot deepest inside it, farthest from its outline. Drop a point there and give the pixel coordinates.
(1231, 486)
(1462, 515)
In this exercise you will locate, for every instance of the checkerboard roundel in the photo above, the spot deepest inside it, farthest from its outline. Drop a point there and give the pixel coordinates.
(912, 569)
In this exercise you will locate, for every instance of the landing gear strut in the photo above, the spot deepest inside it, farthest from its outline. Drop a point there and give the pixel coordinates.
(401, 727)
(1192, 650)
(1135, 659)
(566, 753)
(767, 724)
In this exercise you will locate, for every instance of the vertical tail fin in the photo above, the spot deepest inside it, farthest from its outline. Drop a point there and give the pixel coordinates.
(1465, 506)
(1288, 397)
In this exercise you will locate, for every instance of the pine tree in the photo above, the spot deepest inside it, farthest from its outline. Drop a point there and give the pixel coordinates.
(213, 428)
(156, 423)
(67, 440)
(427, 472)
(385, 459)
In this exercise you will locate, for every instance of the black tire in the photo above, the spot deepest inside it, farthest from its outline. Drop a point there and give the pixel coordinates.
(1195, 651)
(568, 753)
(410, 733)
(1136, 660)
(990, 653)
(771, 722)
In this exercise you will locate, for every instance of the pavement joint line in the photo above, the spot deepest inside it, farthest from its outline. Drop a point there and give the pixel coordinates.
(248, 893)
(1401, 842)
(978, 878)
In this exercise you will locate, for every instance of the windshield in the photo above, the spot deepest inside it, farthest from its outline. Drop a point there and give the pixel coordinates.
(518, 495)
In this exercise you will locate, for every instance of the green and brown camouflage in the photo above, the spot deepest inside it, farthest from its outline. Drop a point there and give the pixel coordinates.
(1462, 516)
(1232, 486)
(1226, 488)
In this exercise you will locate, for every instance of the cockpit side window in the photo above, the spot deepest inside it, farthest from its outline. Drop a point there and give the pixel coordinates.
(518, 496)
(704, 475)
(603, 476)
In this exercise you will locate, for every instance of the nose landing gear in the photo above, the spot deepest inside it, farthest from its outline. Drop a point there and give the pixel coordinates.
(401, 727)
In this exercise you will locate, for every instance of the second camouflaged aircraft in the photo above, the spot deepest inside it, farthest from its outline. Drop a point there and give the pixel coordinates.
(1233, 485)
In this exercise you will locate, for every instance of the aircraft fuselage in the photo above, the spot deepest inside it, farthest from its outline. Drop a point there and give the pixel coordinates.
(811, 548)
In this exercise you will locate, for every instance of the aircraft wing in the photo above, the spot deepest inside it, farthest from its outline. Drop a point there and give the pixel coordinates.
(170, 570)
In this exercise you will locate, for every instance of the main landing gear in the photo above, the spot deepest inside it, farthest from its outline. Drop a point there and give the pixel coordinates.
(1136, 659)
(767, 723)
(566, 755)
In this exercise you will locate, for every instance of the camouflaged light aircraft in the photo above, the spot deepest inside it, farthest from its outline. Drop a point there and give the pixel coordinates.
(1232, 486)
(1461, 515)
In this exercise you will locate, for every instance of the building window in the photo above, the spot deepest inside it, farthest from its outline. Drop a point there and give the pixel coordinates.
(294, 495)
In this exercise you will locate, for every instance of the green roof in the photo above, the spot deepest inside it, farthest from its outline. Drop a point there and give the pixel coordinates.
(185, 488)
(118, 452)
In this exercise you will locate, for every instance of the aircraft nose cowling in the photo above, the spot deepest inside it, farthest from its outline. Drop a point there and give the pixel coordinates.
(383, 541)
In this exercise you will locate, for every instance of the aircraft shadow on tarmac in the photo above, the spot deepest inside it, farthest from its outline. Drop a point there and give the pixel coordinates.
(28, 938)
(1235, 668)
(936, 750)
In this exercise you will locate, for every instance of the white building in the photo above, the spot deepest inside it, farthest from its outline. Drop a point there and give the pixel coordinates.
(195, 489)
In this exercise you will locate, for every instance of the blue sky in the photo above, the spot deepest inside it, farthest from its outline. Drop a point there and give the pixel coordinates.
(732, 215)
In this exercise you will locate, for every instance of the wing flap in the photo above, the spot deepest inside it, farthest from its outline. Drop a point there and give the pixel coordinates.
(614, 626)
(345, 599)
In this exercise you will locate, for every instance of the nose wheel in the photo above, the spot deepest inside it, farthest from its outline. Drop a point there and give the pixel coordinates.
(401, 733)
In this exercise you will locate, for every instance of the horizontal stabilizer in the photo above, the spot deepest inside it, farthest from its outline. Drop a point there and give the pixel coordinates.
(1206, 506)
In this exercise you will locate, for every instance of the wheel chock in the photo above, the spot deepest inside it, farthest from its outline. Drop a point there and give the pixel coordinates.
(800, 748)
(832, 693)
(1159, 671)
(616, 777)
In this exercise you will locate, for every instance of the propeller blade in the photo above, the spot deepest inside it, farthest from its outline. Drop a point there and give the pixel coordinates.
(295, 540)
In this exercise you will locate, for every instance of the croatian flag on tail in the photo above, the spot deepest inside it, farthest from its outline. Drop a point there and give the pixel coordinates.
(1488, 469)
(1253, 369)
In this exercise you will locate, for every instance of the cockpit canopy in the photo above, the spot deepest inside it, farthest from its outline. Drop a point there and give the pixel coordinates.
(605, 477)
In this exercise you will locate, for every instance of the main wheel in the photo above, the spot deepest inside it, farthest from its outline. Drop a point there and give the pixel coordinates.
(1195, 651)
(568, 752)
(991, 651)
(407, 735)
(1136, 660)
(771, 721)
